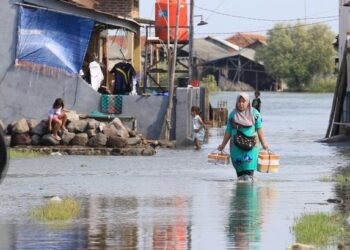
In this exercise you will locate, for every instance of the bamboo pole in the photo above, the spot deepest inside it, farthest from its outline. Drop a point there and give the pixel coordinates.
(168, 120)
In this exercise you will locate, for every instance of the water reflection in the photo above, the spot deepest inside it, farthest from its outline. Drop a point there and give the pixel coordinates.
(153, 223)
(246, 218)
(342, 185)
(104, 226)
(172, 234)
(110, 223)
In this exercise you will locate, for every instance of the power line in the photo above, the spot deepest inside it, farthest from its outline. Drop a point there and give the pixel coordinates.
(258, 31)
(217, 7)
(262, 19)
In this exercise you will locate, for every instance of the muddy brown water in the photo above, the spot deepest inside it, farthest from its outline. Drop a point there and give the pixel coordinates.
(176, 200)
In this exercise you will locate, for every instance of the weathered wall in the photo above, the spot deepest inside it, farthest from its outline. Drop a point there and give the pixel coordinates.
(26, 94)
(129, 8)
(8, 40)
(344, 24)
(185, 99)
(149, 112)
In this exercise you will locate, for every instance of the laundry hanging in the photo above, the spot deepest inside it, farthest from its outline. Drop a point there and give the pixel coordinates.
(123, 77)
(96, 75)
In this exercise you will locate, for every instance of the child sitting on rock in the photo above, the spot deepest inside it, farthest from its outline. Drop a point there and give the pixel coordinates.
(57, 118)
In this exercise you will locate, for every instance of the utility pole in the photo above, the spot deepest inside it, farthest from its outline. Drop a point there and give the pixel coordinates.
(168, 120)
(190, 54)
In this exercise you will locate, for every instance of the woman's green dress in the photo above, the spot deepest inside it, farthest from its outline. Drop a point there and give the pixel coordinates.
(241, 159)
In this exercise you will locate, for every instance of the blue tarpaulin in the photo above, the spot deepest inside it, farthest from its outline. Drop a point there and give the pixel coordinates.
(52, 39)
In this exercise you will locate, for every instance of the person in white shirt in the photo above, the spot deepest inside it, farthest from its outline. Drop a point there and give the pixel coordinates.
(57, 118)
(198, 127)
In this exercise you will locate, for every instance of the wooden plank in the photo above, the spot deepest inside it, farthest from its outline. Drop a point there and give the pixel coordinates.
(342, 124)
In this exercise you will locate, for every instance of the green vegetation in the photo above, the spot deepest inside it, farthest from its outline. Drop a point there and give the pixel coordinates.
(56, 210)
(318, 228)
(340, 179)
(23, 154)
(322, 86)
(298, 54)
(210, 83)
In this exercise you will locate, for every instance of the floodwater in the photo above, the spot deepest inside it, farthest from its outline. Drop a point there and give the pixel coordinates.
(176, 200)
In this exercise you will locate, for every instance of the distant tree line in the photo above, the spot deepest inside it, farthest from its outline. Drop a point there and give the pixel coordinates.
(298, 54)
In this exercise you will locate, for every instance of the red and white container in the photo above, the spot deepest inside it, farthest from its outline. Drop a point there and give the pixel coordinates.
(162, 17)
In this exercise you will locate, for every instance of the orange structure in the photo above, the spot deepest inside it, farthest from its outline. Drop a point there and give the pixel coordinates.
(162, 16)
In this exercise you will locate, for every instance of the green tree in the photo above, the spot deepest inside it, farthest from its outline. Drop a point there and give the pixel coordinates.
(210, 82)
(298, 53)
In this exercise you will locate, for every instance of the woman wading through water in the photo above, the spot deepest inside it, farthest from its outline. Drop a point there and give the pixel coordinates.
(244, 131)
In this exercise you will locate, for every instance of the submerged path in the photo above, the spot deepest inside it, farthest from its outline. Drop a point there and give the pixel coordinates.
(176, 199)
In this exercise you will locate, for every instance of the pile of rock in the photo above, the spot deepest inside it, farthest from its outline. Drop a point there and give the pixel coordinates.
(81, 134)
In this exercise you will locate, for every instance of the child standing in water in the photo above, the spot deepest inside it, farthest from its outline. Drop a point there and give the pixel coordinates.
(198, 127)
(57, 118)
(256, 103)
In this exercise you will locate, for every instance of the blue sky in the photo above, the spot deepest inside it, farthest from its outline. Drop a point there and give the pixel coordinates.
(226, 24)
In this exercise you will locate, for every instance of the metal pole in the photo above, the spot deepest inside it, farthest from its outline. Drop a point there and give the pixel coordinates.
(191, 31)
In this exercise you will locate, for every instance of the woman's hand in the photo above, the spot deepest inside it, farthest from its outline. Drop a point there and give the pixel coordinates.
(265, 146)
(221, 147)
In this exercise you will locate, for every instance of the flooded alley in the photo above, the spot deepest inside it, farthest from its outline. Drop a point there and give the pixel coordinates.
(176, 199)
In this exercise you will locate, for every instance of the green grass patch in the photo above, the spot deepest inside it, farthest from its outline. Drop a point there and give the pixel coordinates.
(339, 179)
(322, 86)
(318, 228)
(23, 154)
(63, 210)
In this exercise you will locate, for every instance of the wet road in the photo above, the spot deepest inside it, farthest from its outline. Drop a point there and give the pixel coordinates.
(176, 200)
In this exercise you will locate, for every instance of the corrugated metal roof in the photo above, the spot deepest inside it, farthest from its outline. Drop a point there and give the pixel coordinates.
(77, 9)
(223, 42)
(246, 52)
(206, 50)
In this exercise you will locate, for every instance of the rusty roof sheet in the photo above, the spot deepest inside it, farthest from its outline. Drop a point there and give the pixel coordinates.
(90, 4)
(245, 39)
